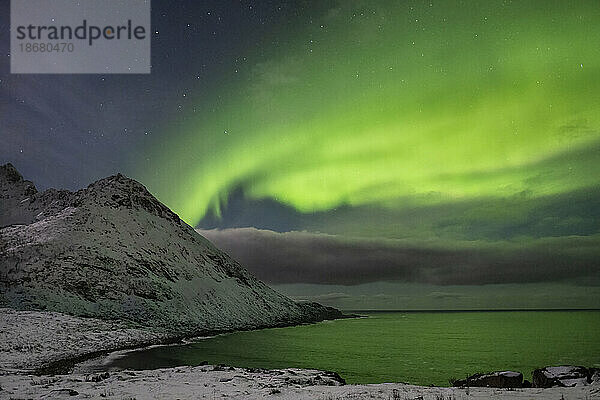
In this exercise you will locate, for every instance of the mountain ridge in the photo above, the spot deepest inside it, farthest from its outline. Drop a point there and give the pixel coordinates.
(113, 251)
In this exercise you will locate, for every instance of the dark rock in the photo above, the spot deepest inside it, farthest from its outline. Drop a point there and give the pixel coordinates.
(561, 376)
(10, 173)
(67, 391)
(318, 312)
(256, 370)
(97, 378)
(335, 377)
(499, 379)
(526, 384)
(223, 367)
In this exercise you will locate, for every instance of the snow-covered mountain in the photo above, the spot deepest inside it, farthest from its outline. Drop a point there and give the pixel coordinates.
(112, 250)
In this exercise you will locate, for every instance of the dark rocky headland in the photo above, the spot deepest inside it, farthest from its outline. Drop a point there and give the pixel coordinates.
(547, 377)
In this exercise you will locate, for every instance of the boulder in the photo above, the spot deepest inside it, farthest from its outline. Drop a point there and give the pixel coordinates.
(562, 376)
(594, 376)
(498, 379)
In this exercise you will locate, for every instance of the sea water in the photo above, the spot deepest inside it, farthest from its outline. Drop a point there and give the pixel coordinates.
(414, 347)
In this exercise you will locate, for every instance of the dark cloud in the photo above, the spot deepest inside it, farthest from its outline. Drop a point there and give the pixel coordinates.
(241, 211)
(302, 257)
(331, 297)
(445, 295)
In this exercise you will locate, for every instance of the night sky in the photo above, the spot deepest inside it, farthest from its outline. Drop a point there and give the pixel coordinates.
(409, 154)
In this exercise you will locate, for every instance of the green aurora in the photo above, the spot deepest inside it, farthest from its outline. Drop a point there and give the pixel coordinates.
(398, 106)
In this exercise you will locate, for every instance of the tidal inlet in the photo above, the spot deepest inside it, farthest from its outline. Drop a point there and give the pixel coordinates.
(302, 199)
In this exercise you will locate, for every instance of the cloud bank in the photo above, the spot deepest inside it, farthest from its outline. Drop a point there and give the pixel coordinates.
(303, 257)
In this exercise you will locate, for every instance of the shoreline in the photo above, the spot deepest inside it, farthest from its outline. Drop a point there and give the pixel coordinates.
(65, 366)
(42, 346)
(473, 310)
(129, 337)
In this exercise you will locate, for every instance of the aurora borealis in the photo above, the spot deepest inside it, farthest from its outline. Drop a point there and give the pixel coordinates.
(396, 105)
(369, 154)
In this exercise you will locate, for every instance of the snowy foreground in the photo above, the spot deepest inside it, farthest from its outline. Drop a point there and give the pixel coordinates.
(206, 382)
(30, 340)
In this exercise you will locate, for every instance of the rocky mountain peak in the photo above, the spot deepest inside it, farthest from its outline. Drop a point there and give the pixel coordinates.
(23, 204)
(10, 173)
(120, 191)
(112, 250)
(15, 195)
(11, 178)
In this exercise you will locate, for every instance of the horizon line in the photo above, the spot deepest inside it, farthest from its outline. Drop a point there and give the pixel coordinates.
(469, 310)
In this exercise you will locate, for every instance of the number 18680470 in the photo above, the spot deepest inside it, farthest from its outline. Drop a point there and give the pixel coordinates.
(47, 47)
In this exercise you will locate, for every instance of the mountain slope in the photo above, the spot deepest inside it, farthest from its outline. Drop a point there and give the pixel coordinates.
(114, 251)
